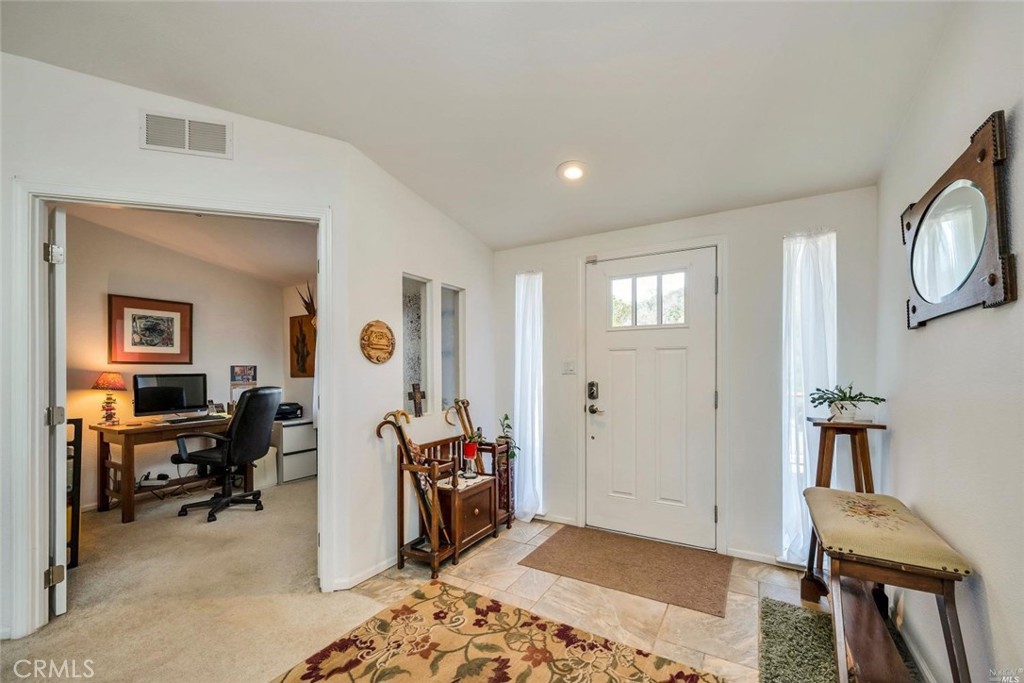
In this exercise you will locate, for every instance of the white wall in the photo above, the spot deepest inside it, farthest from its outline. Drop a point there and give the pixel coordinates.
(296, 389)
(956, 386)
(236, 321)
(66, 128)
(405, 239)
(752, 296)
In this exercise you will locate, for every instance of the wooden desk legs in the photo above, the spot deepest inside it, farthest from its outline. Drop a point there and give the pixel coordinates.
(102, 475)
(127, 482)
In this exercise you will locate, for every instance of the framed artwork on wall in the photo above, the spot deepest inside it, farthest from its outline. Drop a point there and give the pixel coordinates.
(301, 345)
(148, 331)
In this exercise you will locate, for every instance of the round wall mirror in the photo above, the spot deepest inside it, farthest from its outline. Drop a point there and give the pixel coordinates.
(949, 242)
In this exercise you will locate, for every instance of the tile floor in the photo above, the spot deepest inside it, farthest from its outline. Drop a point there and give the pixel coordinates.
(727, 646)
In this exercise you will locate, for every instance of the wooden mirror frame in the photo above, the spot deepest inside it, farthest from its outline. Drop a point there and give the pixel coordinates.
(993, 281)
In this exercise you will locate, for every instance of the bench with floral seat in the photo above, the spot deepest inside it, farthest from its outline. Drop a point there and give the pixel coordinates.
(871, 538)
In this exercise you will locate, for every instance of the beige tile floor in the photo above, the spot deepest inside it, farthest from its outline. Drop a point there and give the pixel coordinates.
(727, 646)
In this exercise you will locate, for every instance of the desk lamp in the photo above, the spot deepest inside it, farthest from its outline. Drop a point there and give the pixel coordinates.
(110, 382)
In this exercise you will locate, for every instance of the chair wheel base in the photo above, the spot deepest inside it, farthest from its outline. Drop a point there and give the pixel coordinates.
(259, 506)
(183, 512)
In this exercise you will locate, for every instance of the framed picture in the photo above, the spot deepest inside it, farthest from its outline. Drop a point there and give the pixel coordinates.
(148, 331)
(301, 345)
(243, 374)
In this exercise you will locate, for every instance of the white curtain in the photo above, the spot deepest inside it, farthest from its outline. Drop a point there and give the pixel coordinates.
(528, 409)
(808, 362)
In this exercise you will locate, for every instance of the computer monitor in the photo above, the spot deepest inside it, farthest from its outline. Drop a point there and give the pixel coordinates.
(167, 394)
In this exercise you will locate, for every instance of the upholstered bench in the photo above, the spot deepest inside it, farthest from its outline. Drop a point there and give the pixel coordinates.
(871, 538)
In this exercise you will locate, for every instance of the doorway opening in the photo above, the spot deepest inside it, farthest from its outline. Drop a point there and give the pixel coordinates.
(142, 294)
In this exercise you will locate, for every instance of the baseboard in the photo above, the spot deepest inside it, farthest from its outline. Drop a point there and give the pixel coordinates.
(557, 519)
(752, 556)
(343, 584)
(89, 508)
(915, 652)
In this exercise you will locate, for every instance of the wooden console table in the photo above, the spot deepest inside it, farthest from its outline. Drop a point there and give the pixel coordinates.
(116, 480)
(455, 513)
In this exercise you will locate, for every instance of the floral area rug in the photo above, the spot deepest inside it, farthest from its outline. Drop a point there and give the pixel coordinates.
(444, 633)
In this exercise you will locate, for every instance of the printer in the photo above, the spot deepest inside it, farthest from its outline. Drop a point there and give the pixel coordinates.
(289, 411)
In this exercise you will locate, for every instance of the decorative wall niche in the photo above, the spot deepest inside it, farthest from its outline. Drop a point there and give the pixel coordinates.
(957, 235)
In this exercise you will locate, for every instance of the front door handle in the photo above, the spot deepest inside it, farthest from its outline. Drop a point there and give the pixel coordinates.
(594, 410)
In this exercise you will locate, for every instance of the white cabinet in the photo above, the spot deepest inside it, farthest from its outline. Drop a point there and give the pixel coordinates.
(295, 441)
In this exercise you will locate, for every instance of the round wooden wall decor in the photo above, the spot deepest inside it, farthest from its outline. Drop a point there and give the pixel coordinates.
(377, 341)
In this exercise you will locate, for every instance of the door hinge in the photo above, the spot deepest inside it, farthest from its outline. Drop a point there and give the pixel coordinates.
(591, 260)
(54, 416)
(716, 285)
(53, 253)
(52, 576)
(318, 539)
(716, 399)
(716, 514)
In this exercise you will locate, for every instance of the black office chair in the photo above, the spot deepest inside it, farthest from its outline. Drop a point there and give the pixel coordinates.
(247, 440)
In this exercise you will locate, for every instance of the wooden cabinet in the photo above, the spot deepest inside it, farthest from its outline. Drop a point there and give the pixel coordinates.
(454, 512)
(470, 513)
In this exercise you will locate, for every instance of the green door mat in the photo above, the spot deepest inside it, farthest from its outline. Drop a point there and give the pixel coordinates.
(797, 645)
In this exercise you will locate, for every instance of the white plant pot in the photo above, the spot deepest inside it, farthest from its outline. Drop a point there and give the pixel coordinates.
(843, 411)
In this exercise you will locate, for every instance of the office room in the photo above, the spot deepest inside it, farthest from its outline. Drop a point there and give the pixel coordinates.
(171, 318)
(633, 341)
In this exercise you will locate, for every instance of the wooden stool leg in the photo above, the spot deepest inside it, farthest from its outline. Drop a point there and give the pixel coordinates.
(826, 454)
(951, 631)
(836, 599)
(862, 454)
(858, 465)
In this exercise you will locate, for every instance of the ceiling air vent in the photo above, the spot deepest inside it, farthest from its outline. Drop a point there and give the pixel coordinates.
(186, 136)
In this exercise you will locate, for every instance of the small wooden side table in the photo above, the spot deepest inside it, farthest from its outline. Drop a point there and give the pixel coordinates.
(863, 482)
(858, 432)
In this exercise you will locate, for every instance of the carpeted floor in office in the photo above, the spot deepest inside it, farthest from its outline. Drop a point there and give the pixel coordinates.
(171, 598)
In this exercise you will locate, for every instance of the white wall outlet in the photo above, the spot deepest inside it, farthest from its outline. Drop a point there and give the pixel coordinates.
(569, 367)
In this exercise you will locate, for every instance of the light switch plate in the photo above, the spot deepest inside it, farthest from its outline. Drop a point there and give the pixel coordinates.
(569, 367)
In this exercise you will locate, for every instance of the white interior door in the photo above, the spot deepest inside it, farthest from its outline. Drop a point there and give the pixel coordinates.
(58, 438)
(651, 368)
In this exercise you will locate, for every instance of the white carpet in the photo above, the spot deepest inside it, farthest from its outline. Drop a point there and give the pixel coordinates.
(171, 598)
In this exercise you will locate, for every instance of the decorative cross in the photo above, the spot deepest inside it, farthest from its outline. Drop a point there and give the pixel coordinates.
(417, 396)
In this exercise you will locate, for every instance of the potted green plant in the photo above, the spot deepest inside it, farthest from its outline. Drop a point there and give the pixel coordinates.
(843, 402)
(506, 436)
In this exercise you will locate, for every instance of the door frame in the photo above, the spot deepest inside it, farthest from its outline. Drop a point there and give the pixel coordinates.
(24, 368)
(722, 345)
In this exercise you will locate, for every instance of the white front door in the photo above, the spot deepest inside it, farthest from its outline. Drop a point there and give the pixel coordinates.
(651, 368)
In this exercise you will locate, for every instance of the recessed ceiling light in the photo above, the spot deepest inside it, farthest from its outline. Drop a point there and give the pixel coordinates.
(572, 171)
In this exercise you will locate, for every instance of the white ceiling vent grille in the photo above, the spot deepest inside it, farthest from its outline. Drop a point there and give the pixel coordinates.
(186, 136)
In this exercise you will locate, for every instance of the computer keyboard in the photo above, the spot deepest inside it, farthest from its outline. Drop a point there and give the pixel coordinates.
(198, 418)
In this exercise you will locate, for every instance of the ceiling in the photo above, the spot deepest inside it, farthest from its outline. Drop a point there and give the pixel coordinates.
(281, 252)
(679, 109)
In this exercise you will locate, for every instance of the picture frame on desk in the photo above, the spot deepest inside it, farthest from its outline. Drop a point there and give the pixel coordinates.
(148, 331)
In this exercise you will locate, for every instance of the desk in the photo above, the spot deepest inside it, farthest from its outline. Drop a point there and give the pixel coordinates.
(116, 480)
